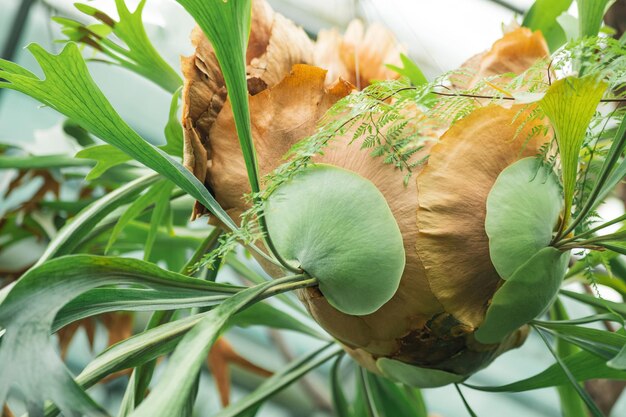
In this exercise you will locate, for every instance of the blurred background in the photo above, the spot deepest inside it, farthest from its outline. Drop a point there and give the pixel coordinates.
(439, 35)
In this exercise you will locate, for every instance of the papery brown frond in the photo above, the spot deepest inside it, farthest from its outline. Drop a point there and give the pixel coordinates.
(275, 45)
(220, 357)
(360, 55)
(515, 52)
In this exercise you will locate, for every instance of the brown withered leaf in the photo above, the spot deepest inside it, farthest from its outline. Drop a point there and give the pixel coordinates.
(221, 356)
(514, 53)
(119, 326)
(452, 193)
(50, 185)
(6, 412)
(275, 45)
(360, 55)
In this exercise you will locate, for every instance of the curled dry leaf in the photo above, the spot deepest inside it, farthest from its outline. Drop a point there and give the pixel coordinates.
(276, 44)
(360, 55)
(515, 52)
(119, 327)
(220, 357)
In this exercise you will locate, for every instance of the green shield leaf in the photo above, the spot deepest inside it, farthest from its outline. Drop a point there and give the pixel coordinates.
(522, 209)
(337, 226)
(524, 296)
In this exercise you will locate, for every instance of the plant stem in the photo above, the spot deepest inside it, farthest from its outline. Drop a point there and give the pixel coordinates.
(591, 231)
(607, 168)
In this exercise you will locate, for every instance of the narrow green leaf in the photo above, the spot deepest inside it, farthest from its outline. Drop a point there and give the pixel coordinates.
(282, 379)
(246, 272)
(468, 408)
(168, 396)
(523, 208)
(582, 365)
(173, 129)
(41, 162)
(264, 314)
(389, 398)
(591, 405)
(160, 216)
(70, 236)
(29, 309)
(570, 104)
(410, 70)
(104, 300)
(590, 14)
(135, 209)
(571, 403)
(525, 295)
(340, 403)
(230, 46)
(543, 15)
(138, 54)
(415, 376)
(606, 305)
(337, 226)
(69, 89)
(612, 172)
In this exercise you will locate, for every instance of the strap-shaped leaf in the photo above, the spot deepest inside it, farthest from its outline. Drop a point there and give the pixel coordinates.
(416, 376)
(282, 379)
(230, 46)
(570, 104)
(523, 208)
(169, 395)
(69, 89)
(590, 14)
(583, 366)
(524, 296)
(28, 357)
(543, 16)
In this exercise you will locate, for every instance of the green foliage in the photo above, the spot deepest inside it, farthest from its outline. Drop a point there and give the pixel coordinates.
(337, 227)
(230, 49)
(571, 403)
(393, 121)
(570, 104)
(590, 15)
(410, 70)
(523, 207)
(414, 376)
(136, 54)
(169, 395)
(69, 89)
(543, 15)
(582, 365)
(526, 294)
(281, 379)
(108, 156)
(46, 377)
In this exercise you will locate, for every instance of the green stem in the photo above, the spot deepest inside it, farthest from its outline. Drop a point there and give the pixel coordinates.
(591, 231)
(597, 239)
(607, 168)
